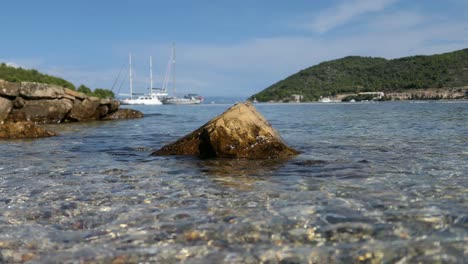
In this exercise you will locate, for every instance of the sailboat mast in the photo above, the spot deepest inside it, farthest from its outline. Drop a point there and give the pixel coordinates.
(130, 74)
(173, 69)
(151, 74)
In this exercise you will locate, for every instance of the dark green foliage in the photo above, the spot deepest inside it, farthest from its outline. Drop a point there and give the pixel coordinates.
(98, 92)
(365, 74)
(83, 89)
(13, 74)
(103, 93)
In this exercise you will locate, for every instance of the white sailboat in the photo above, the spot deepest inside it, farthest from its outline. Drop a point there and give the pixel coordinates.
(174, 100)
(146, 99)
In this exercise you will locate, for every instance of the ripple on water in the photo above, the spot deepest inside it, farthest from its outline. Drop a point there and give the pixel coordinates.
(375, 183)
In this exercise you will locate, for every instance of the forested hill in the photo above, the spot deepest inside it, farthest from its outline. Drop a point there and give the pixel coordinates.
(366, 74)
(13, 74)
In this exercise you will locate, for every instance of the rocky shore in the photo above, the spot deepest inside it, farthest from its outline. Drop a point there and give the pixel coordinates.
(25, 105)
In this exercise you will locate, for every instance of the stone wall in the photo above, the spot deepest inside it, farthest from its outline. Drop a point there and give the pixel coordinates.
(45, 103)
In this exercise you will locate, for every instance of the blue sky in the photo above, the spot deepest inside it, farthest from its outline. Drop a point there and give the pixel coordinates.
(224, 48)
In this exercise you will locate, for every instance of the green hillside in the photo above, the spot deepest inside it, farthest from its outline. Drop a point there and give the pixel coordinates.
(13, 74)
(366, 74)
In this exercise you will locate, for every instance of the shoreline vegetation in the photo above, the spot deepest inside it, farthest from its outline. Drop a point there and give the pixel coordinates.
(18, 75)
(354, 78)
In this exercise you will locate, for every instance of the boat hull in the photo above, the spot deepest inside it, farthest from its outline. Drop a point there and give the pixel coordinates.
(141, 101)
(181, 101)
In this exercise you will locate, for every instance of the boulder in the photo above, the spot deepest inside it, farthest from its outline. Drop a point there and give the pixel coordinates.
(114, 105)
(103, 110)
(9, 89)
(240, 132)
(23, 130)
(33, 90)
(85, 110)
(42, 111)
(5, 108)
(105, 101)
(123, 114)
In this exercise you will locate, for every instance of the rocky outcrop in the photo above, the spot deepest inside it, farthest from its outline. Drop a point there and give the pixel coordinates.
(44, 103)
(41, 111)
(240, 132)
(23, 130)
(32, 90)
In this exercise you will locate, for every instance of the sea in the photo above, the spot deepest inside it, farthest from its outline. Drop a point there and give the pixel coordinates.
(379, 182)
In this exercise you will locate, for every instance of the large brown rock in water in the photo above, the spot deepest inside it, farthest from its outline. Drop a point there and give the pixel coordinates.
(23, 130)
(240, 132)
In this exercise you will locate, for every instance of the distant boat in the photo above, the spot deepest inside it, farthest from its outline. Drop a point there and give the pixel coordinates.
(187, 99)
(174, 100)
(145, 99)
(325, 100)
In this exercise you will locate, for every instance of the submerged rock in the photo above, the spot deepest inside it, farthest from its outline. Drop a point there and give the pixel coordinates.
(23, 130)
(239, 132)
(123, 114)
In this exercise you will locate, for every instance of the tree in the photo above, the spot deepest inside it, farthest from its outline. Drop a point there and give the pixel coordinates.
(103, 93)
(83, 89)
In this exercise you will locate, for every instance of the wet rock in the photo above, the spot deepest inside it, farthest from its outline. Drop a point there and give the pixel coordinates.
(5, 108)
(42, 111)
(33, 90)
(123, 114)
(9, 89)
(23, 130)
(239, 132)
(311, 163)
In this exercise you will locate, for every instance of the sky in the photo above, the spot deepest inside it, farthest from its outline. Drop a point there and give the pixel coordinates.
(223, 48)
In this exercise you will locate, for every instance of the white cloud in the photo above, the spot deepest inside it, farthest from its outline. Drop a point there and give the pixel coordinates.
(345, 12)
(400, 20)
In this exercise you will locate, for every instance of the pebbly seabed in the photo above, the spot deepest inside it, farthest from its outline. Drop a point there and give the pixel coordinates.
(380, 182)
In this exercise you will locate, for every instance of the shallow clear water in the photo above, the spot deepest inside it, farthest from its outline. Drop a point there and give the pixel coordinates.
(380, 182)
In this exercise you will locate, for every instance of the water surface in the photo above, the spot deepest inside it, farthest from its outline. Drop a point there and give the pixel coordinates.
(380, 182)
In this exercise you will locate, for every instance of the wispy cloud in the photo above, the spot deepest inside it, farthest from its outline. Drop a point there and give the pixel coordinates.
(345, 12)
